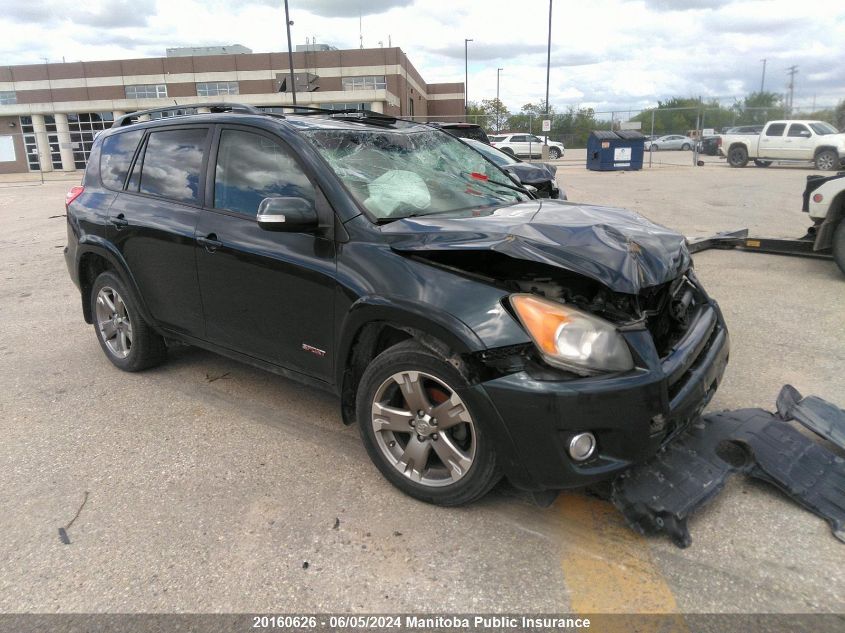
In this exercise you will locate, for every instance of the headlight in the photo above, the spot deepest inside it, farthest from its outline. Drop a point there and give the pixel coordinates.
(571, 339)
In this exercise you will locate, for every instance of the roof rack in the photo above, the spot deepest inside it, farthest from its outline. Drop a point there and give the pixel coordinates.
(243, 108)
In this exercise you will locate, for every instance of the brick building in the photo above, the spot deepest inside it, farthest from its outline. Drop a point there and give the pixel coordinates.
(50, 113)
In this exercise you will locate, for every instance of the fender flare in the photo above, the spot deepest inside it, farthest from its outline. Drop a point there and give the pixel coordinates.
(93, 244)
(398, 312)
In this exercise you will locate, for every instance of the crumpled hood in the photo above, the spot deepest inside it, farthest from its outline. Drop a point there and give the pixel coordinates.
(529, 173)
(618, 248)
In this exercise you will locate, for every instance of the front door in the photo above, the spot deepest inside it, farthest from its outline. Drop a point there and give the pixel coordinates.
(266, 294)
(800, 142)
(773, 142)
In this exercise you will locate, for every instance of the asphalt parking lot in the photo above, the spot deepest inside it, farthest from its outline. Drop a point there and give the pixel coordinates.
(216, 487)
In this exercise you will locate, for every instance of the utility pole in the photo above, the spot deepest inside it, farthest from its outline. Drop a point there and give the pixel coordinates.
(466, 77)
(763, 78)
(793, 70)
(498, 103)
(545, 152)
(290, 53)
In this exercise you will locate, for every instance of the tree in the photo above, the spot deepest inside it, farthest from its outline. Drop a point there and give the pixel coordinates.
(839, 116)
(759, 107)
(487, 113)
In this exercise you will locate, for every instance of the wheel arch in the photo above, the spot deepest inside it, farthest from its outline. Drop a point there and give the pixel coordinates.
(373, 326)
(96, 256)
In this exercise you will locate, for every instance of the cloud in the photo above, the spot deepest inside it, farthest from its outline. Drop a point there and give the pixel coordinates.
(489, 51)
(342, 8)
(114, 14)
(684, 5)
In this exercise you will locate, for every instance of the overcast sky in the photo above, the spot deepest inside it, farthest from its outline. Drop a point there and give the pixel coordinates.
(608, 54)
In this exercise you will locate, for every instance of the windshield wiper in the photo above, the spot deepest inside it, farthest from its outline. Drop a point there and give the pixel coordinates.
(502, 184)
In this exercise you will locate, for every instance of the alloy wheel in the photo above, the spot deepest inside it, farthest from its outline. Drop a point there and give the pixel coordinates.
(423, 428)
(113, 322)
(825, 162)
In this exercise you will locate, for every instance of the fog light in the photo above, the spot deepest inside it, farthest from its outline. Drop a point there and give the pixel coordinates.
(582, 446)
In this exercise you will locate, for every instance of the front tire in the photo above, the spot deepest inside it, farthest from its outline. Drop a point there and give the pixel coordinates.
(839, 245)
(420, 424)
(127, 340)
(827, 160)
(738, 156)
(554, 153)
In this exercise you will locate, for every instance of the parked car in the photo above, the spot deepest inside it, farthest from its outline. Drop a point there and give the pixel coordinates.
(526, 145)
(541, 176)
(471, 330)
(780, 141)
(463, 130)
(709, 145)
(670, 141)
(824, 201)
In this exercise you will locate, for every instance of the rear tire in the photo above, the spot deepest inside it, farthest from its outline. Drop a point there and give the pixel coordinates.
(839, 245)
(685, 147)
(653, 148)
(127, 340)
(762, 163)
(447, 461)
(738, 156)
(827, 160)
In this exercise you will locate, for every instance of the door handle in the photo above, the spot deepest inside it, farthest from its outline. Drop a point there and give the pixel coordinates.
(210, 242)
(119, 221)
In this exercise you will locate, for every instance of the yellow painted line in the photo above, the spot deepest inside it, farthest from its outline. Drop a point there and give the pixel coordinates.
(607, 566)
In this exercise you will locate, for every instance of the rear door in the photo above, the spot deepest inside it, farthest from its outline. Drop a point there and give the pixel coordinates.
(266, 294)
(773, 142)
(152, 223)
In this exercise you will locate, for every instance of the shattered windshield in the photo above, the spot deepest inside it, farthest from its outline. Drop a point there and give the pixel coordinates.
(397, 173)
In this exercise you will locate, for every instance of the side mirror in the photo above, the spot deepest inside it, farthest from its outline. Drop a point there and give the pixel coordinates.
(287, 214)
(806, 133)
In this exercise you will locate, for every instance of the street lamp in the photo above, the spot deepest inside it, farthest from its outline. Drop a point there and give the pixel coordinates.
(545, 152)
(498, 71)
(290, 54)
(466, 77)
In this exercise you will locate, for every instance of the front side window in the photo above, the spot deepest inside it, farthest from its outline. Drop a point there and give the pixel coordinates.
(8, 97)
(251, 167)
(364, 82)
(146, 91)
(172, 164)
(796, 129)
(413, 171)
(776, 129)
(116, 156)
(214, 88)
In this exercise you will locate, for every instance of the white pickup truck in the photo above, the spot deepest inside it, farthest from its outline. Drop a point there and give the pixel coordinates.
(779, 141)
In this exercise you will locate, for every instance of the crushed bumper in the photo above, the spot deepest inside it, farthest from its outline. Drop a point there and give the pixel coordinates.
(631, 415)
(660, 495)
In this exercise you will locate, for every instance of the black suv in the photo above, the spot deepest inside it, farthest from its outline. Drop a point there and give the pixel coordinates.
(471, 330)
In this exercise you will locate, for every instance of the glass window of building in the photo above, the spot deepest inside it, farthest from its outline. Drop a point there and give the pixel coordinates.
(146, 91)
(364, 82)
(214, 88)
(8, 97)
(84, 127)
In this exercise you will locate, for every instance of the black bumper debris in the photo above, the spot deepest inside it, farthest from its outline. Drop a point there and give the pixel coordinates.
(660, 495)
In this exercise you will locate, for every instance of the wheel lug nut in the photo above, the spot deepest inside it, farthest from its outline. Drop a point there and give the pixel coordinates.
(420, 413)
(433, 421)
(420, 438)
(434, 436)
(392, 443)
(412, 423)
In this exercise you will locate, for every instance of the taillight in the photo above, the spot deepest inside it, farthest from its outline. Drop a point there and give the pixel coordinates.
(73, 194)
(818, 197)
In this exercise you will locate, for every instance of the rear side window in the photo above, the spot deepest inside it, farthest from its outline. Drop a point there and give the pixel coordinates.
(776, 129)
(116, 156)
(172, 166)
(251, 167)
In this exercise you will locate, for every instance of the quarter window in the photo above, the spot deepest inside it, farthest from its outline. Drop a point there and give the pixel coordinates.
(364, 82)
(776, 129)
(146, 91)
(214, 88)
(172, 166)
(251, 167)
(116, 156)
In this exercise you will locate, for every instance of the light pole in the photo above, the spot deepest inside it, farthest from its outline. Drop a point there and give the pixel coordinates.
(545, 152)
(763, 78)
(290, 54)
(498, 103)
(466, 77)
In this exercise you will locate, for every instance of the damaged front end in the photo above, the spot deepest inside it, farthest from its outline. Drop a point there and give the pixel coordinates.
(631, 280)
